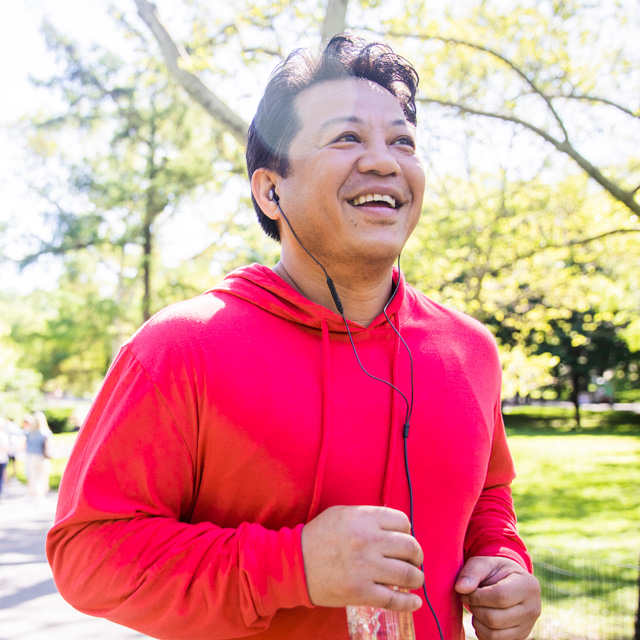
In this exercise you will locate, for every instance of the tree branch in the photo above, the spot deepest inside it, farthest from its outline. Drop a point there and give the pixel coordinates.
(334, 19)
(578, 241)
(176, 57)
(564, 146)
(502, 59)
(62, 249)
(610, 103)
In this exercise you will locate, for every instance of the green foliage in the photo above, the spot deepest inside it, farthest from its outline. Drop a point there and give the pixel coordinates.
(143, 150)
(20, 386)
(587, 344)
(523, 238)
(123, 156)
(542, 72)
(516, 256)
(70, 334)
(59, 419)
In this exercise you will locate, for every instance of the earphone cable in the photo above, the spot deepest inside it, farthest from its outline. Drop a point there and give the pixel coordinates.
(413, 533)
(405, 433)
(409, 404)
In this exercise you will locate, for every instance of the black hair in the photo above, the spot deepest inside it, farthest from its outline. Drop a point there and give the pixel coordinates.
(276, 122)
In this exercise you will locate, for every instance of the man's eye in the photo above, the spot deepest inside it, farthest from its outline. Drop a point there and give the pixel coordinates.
(406, 140)
(347, 137)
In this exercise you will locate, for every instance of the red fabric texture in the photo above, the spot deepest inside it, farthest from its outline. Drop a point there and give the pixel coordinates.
(229, 420)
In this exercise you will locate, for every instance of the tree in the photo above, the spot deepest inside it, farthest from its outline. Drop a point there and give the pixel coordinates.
(587, 344)
(545, 70)
(636, 635)
(528, 79)
(69, 335)
(515, 241)
(181, 66)
(20, 386)
(515, 255)
(158, 152)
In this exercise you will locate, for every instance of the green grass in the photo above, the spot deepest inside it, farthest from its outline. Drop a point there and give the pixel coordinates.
(578, 492)
(544, 420)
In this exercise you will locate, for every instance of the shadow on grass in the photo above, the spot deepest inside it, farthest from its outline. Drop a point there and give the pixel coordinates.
(557, 420)
(571, 507)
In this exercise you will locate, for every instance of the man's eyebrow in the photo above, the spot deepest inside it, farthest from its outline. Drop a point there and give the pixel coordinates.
(328, 123)
(356, 120)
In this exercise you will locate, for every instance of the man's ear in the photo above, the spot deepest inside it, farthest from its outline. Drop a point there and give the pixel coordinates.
(263, 186)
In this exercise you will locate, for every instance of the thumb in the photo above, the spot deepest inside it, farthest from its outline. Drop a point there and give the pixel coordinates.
(472, 574)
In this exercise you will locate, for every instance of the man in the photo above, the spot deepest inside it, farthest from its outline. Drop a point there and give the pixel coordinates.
(242, 471)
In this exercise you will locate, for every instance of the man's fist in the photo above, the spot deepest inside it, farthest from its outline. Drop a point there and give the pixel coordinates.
(355, 555)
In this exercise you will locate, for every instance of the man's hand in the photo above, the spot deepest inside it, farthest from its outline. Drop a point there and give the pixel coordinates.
(354, 555)
(503, 597)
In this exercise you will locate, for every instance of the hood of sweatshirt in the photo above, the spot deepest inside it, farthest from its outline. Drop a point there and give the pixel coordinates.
(259, 285)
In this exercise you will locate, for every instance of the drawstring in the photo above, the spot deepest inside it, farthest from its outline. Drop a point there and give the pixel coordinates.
(393, 435)
(326, 422)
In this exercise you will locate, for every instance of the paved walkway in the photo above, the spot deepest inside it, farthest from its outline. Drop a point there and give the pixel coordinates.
(30, 606)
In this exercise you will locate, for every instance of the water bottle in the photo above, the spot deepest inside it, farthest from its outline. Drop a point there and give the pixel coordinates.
(373, 623)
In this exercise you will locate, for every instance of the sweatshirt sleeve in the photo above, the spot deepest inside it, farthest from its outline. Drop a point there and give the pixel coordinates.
(122, 547)
(492, 527)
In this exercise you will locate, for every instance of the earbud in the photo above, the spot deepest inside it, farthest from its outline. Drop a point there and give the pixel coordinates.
(273, 195)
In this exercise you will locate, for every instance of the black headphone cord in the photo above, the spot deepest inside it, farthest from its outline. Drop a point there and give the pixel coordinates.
(409, 405)
(407, 425)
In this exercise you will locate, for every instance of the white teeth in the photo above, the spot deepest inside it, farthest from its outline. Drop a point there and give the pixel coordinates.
(374, 197)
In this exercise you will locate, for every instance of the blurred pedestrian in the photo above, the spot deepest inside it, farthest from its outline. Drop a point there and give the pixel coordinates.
(4, 457)
(17, 443)
(38, 464)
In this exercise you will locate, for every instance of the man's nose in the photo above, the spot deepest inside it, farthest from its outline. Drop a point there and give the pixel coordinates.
(378, 158)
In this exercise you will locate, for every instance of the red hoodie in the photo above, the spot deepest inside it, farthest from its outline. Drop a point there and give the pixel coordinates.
(230, 420)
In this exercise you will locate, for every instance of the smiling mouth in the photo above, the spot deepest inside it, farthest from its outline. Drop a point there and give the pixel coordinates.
(384, 200)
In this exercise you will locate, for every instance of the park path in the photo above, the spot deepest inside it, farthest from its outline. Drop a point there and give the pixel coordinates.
(30, 606)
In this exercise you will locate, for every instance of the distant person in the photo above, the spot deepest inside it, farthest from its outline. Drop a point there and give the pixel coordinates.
(4, 457)
(16, 446)
(38, 437)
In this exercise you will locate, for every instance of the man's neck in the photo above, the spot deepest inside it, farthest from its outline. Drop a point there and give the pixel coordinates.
(363, 295)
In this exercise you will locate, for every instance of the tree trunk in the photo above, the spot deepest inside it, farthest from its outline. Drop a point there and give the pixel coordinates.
(173, 56)
(575, 397)
(334, 19)
(152, 209)
(146, 260)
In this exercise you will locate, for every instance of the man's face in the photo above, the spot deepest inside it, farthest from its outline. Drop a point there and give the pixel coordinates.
(355, 186)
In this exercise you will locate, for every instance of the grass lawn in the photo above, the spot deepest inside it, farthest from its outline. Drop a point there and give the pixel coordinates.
(578, 490)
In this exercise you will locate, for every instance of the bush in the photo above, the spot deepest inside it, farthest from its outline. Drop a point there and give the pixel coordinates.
(59, 419)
